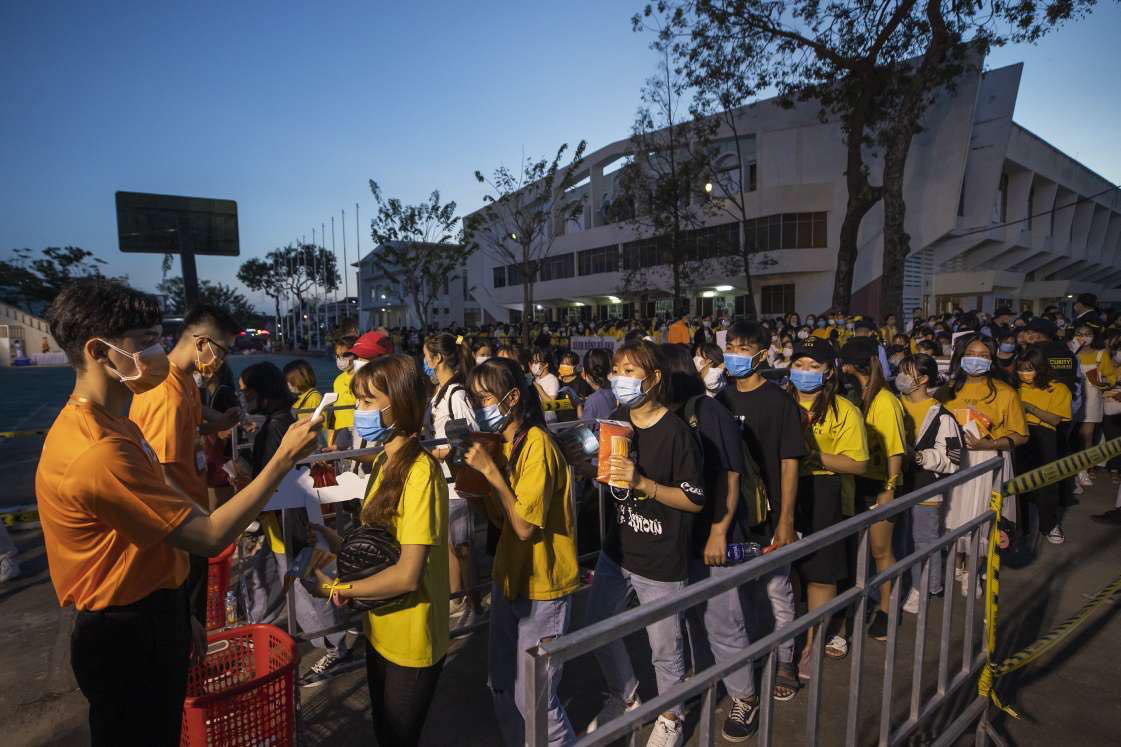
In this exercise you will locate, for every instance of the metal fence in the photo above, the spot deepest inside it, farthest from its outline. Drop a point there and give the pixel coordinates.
(951, 676)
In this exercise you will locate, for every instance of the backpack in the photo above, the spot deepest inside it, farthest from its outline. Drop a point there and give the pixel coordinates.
(753, 492)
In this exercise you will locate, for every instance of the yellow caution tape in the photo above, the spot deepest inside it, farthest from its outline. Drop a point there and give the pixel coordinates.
(558, 404)
(29, 516)
(993, 671)
(1060, 469)
(23, 434)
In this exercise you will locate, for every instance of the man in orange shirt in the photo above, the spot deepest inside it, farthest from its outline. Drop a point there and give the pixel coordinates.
(678, 332)
(117, 534)
(171, 417)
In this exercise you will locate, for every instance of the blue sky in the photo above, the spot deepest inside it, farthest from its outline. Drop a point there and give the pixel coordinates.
(291, 108)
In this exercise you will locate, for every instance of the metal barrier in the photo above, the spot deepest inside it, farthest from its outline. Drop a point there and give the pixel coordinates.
(704, 683)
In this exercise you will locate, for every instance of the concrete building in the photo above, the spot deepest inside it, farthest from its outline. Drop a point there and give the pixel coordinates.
(384, 303)
(972, 170)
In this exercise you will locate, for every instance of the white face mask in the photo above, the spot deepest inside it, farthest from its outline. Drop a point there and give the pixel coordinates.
(342, 363)
(199, 380)
(358, 364)
(480, 359)
(537, 369)
(293, 390)
(699, 362)
(714, 379)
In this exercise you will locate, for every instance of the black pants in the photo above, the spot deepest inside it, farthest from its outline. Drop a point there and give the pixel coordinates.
(1042, 448)
(196, 586)
(1111, 424)
(131, 665)
(399, 698)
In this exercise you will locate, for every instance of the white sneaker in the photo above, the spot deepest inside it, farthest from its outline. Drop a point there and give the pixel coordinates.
(666, 733)
(911, 606)
(965, 587)
(1056, 536)
(9, 569)
(1077, 489)
(1084, 479)
(613, 707)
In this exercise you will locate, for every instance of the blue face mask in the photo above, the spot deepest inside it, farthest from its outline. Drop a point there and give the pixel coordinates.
(429, 372)
(739, 366)
(1008, 347)
(369, 426)
(490, 418)
(975, 366)
(628, 390)
(807, 381)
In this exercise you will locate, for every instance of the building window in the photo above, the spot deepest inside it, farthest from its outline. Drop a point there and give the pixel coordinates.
(777, 299)
(595, 261)
(499, 277)
(752, 176)
(786, 231)
(557, 268)
(513, 274)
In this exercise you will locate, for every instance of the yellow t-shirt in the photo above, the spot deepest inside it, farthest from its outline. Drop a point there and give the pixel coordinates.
(842, 432)
(1090, 359)
(309, 400)
(543, 567)
(344, 418)
(416, 633)
(1055, 399)
(914, 413)
(1002, 406)
(885, 433)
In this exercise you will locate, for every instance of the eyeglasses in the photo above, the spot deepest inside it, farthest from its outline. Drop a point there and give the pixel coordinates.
(222, 351)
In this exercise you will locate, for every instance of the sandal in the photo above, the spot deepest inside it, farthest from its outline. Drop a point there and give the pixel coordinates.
(837, 648)
(786, 682)
(805, 664)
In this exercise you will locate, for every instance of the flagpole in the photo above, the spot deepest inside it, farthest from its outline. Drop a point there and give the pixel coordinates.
(346, 278)
(335, 256)
(357, 248)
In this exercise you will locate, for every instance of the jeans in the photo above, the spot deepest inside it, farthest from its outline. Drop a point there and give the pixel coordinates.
(399, 698)
(724, 627)
(265, 598)
(515, 627)
(926, 529)
(771, 607)
(131, 665)
(7, 547)
(608, 597)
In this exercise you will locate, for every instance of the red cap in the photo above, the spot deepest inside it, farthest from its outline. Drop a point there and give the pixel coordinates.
(371, 345)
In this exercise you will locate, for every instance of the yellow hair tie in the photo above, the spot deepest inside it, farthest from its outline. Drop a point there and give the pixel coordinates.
(333, 588)
(459, 340)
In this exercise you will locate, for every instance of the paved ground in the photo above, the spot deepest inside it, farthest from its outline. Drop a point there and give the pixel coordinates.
(1071, 697)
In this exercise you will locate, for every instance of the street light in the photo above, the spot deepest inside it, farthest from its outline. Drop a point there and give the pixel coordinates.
(723, 288)
(708, 187)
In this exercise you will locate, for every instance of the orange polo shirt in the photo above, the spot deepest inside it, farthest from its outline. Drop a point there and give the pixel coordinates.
(678, 333)
(106, 510)
(169, 417)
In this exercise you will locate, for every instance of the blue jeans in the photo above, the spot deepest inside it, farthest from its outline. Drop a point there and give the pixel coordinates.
(724, 627)
(926, 529)
(608, 597)
(516, 626)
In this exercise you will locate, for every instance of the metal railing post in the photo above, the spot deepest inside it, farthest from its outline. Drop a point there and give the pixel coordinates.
(766, 699)
(856, 672)
(537, 698)
(602, 514)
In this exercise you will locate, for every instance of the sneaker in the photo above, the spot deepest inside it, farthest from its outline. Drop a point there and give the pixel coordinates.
(1112, 516)
(9, 569)
(666, 733)
(1084, 479)
(878, 627)
(321, 670)
(911, 606)
(741, 722)
(613, 707)
(457, 607)
(1078, 489)
(1056, 536)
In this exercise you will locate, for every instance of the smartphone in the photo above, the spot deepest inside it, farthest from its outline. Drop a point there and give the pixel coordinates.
(328, 399)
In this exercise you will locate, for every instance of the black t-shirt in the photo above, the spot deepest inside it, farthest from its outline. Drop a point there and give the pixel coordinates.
(650, 538)
(582, 388)
(772, 427)
(722, 449)
(1061, 361)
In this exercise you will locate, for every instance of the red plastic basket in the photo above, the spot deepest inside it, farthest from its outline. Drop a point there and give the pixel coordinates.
(217, 581)
(244, 693)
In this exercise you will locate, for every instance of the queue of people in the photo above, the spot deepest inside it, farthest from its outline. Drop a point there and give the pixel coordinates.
(744, 435)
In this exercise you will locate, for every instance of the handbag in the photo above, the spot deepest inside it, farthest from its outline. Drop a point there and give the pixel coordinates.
(367, 550)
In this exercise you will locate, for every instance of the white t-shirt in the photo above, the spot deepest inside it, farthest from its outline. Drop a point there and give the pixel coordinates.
(454, 405)
(550, 384)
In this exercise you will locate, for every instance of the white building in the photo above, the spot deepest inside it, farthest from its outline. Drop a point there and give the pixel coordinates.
(383, 302)
(970, 169)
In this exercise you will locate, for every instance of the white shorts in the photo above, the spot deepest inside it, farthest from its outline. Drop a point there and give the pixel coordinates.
(1095, 404)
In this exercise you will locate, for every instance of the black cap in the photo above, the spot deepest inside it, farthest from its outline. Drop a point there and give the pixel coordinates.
(858, 350)
(865, 324)
(1042, 326)
(816, 349)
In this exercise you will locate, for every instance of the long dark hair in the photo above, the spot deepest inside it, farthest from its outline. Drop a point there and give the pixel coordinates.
(397, 376)
(456, 354)
(680, 372)
(597, 366)
(921, 364)
(270, 385)
(871, 368)
(958, 376)
(498, 377)
(826, 398)
(644, 354)
(1035, 358)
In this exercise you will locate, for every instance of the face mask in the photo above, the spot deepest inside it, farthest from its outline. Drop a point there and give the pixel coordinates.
(210, 367)
(490, 418)
(369, 426)
(905, 383)
(294, 390)
(628, 390)
(1027, 376)
(481, 359)
(359, 363)
(739, 366)
(342, 363)
(714, 379)
(151, 365)
(947, 349)
(699, 362)
(566, 369)
(1008, 347)
(1117, 357)
(975, 366)
(199, 380)
(537, 369)
(430, 373)
(807, 381)
(803, 334)
(787, 351)
(821, 324)
(850, 327)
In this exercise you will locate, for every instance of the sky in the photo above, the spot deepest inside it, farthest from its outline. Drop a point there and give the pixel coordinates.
(291, 108)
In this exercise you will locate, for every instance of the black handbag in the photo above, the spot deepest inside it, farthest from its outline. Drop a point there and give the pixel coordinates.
(367, 550)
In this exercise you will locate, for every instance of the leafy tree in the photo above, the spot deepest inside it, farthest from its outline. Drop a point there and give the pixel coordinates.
(263, 276)
(30, 283)
(305, 271)
(664, 181)
(217, 294)
(416, 248)
(523, 213)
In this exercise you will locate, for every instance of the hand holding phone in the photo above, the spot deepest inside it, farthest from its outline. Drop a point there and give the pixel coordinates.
(328, 399)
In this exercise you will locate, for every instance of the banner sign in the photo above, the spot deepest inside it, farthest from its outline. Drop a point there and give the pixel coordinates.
(582, 344)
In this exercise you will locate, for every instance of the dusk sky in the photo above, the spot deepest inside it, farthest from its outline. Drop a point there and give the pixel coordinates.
(290, 109)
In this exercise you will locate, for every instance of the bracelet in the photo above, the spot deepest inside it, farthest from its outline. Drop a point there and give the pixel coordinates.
(333, 588)
(893, 482)
(655, 496)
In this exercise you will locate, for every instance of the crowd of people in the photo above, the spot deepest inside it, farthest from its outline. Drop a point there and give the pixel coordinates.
(744, 435)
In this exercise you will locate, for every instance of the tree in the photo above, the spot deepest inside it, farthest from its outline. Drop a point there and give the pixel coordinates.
(305, 271)
(523, 213)
(663, 180)
(30, 283)
(415, 246)
(216, 294)
(263, 276)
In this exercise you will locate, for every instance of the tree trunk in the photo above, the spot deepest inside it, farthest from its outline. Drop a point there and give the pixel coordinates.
(527, 297)
(861, 197)
(745, 253)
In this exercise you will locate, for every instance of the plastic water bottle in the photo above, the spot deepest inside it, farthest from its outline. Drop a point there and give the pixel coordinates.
(740, 552)
(231, 609)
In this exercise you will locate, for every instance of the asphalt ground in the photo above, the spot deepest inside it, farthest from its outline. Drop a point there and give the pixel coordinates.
(1072, 696)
